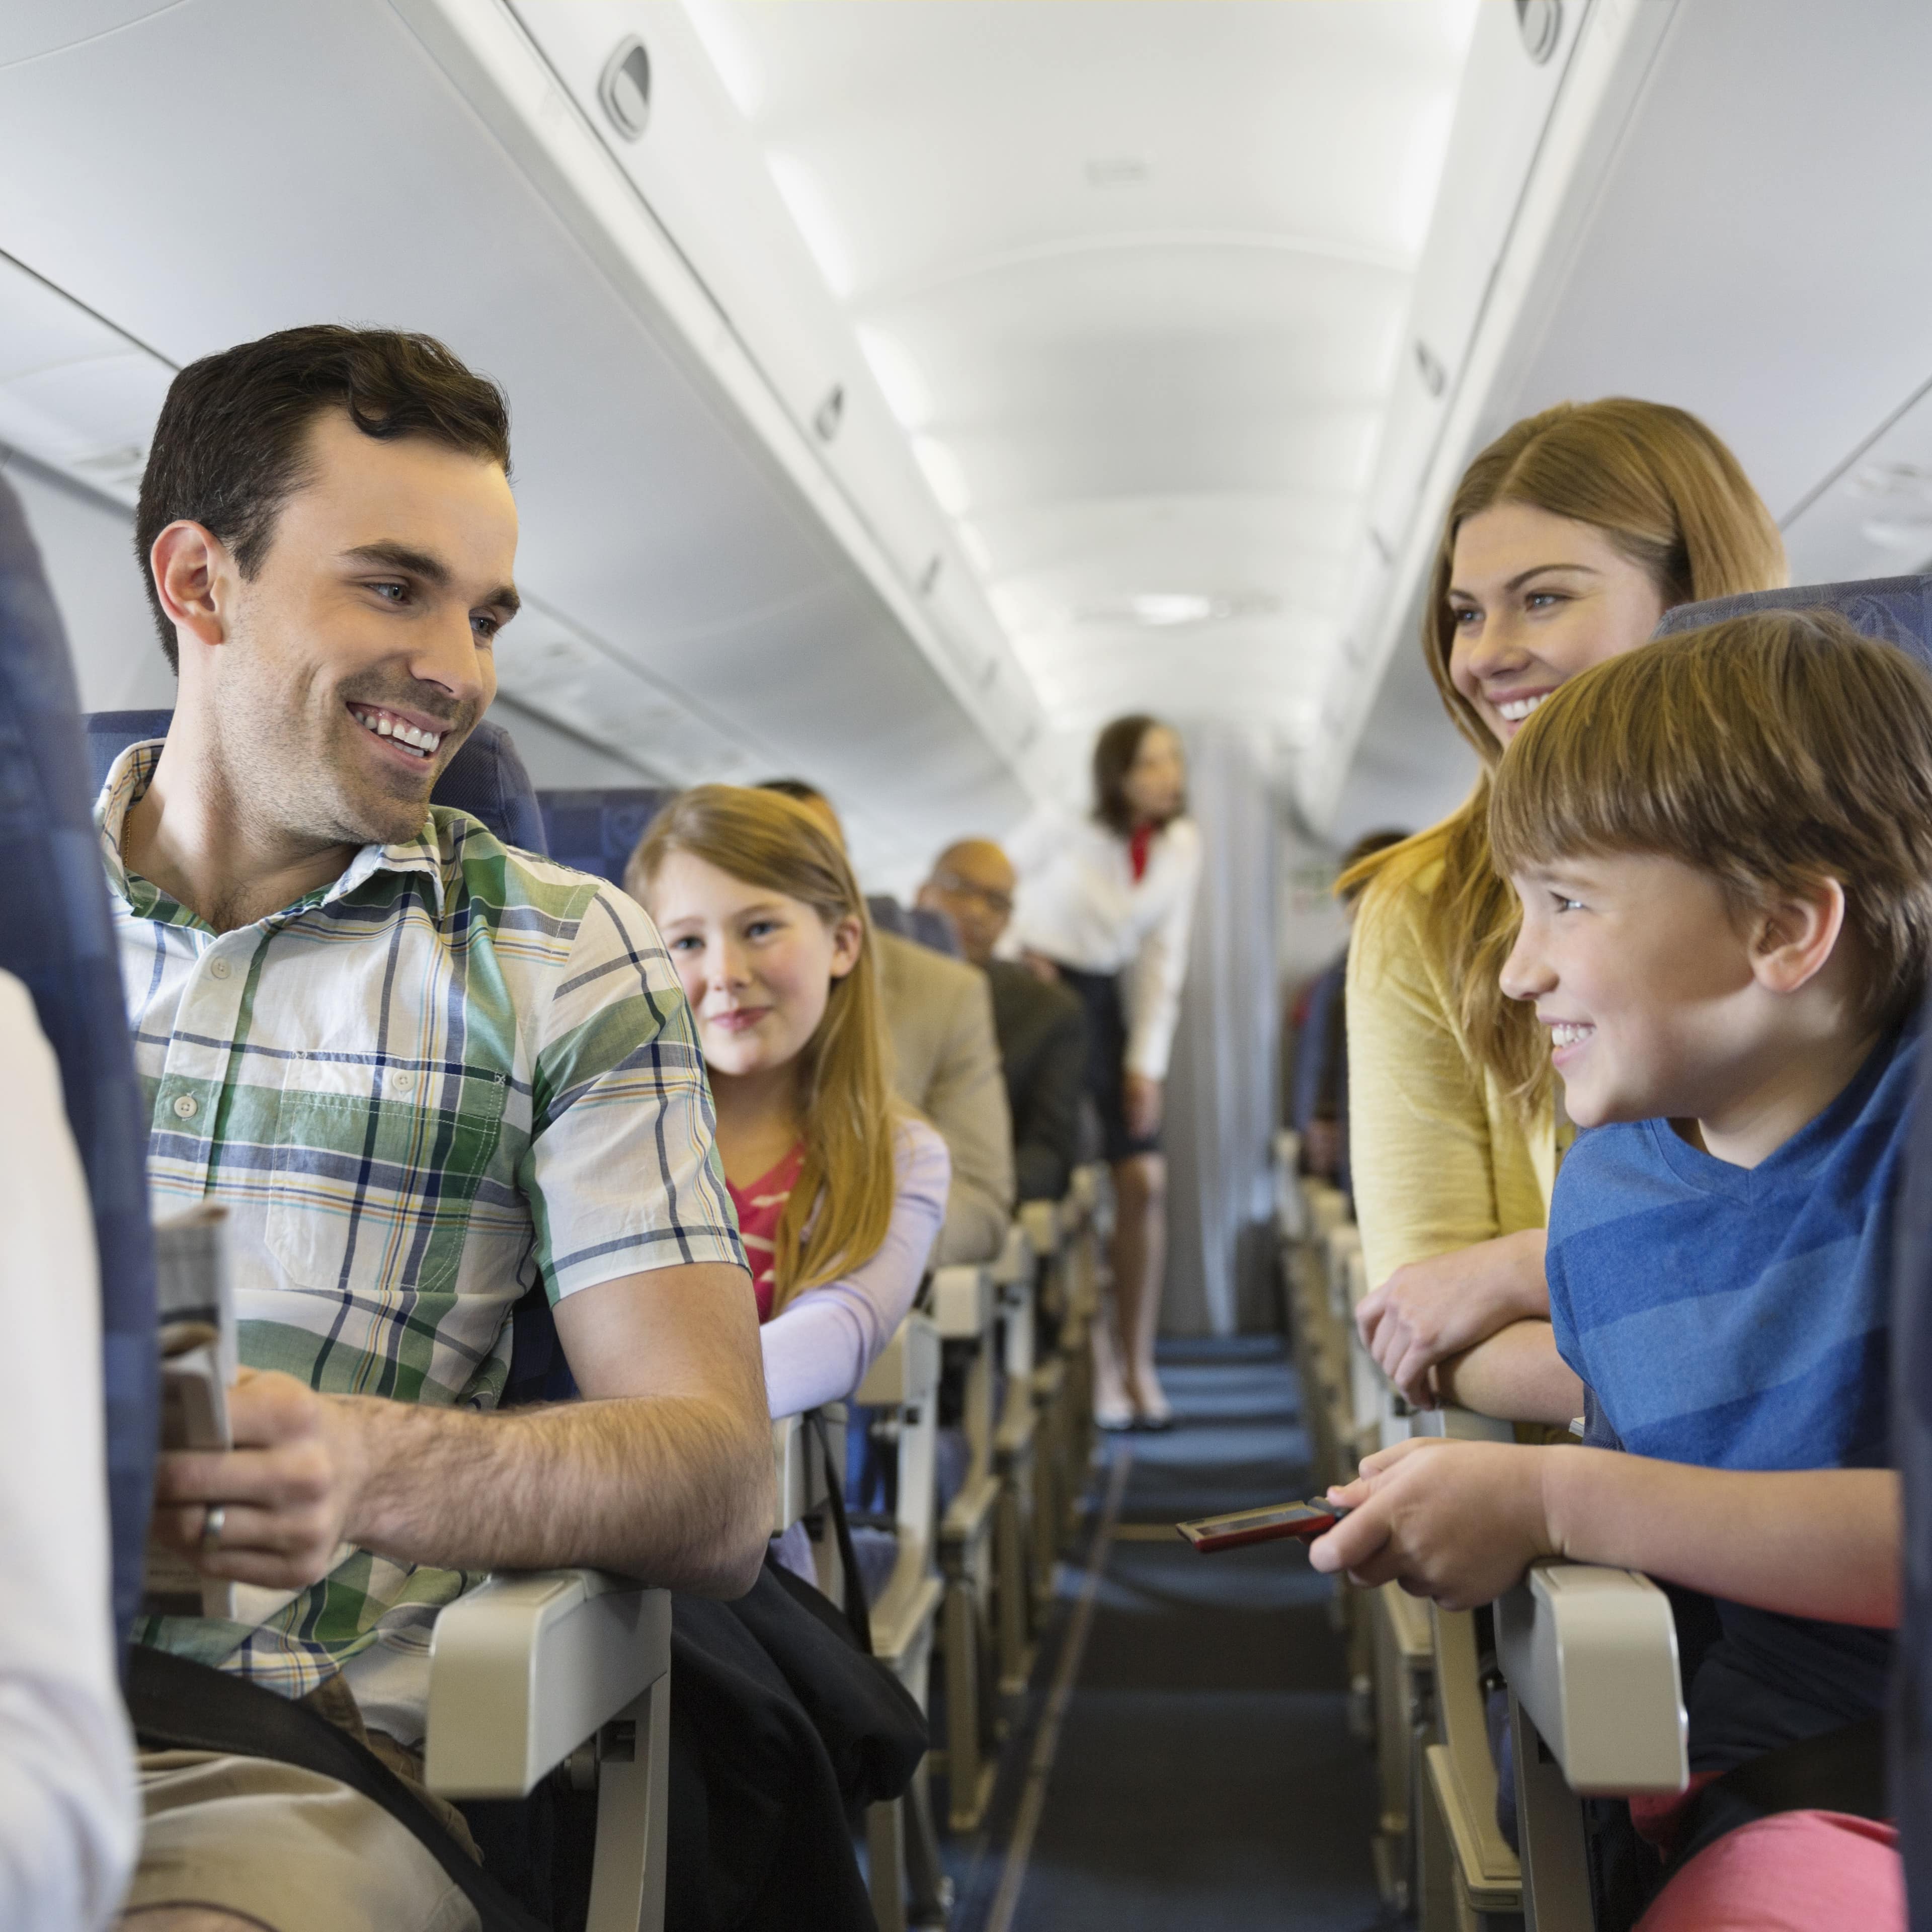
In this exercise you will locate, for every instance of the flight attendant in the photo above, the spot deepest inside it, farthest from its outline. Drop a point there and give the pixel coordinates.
(1105, 905)
(1567, 540)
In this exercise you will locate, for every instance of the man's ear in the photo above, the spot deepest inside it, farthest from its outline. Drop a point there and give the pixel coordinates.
(193, 576)
(1794, 934)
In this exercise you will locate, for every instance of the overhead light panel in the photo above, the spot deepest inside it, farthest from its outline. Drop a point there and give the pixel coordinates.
(1173, 610)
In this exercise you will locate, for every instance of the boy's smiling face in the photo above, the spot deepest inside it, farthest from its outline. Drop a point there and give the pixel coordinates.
(1644, 976)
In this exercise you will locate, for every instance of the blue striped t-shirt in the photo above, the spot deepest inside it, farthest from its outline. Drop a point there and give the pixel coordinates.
(1739, 1318)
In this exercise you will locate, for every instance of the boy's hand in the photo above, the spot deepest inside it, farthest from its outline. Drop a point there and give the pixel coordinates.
(1459, 1522)
(286, 1491)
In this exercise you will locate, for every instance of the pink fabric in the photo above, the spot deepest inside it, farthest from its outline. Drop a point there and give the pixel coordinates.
(761, 1205)
(1795, 1871)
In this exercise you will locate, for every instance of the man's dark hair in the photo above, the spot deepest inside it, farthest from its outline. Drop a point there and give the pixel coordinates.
(1366, 847)
(793, 788)
(1114, 751)
(228, 450)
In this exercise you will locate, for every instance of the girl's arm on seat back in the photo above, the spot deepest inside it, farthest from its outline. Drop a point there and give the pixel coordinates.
(818, 1347)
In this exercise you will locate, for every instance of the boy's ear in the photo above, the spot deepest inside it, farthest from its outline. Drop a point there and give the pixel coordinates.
(1794, 934)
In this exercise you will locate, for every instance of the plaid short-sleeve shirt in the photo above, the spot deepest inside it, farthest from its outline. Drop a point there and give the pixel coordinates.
(456, 1071)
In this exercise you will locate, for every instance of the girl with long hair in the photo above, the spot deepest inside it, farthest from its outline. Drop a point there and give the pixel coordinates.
(839, 1191)
(1565, 542)
(1104, 906)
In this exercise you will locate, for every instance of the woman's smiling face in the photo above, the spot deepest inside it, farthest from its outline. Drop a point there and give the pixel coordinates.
(1534, 598)
(757, 966)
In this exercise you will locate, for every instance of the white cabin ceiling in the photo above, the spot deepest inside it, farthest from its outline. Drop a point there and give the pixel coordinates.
(1132, 278)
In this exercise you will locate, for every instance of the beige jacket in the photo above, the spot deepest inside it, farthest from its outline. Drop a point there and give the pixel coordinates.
(947, 1064)
(1441, 1159)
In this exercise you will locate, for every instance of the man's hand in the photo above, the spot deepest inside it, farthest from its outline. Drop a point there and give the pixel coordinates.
(1459, 1522)
(287, 1490)
(1141, 1101)
(1042, 969)
(1434, 1308)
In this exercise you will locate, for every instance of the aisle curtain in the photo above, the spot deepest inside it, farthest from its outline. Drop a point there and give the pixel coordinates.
(1223, 1085)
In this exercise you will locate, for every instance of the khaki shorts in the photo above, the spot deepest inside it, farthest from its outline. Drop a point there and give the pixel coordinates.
(290, 1849)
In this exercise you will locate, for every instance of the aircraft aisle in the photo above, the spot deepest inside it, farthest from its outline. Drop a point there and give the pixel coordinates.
(1185, 1757)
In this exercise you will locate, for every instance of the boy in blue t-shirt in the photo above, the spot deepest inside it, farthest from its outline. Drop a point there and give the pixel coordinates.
(1722, 847)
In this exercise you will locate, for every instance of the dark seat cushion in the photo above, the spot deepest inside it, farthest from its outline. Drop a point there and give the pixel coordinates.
(597, 829)
(1897, 609)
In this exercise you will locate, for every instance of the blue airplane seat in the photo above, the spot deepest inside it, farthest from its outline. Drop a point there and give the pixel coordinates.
(58, 941)
(486, 778)
(889, 915)
(597, 830)
(1897, 609)
(931, 928)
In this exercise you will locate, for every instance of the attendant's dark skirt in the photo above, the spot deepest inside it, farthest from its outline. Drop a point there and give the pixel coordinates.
(1106, 1055)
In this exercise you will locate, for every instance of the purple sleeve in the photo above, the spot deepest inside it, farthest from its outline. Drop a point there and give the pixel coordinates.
(817, 1350)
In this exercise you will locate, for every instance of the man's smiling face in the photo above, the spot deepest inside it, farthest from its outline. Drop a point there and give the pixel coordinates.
(359, 656)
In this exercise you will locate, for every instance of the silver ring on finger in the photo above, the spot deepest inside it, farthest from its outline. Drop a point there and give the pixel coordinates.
(212, 1521)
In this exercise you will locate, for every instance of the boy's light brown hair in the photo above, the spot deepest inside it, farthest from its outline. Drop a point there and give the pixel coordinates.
(1769, 751)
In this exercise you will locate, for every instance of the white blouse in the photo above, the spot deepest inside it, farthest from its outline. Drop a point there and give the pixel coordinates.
(1078, 902)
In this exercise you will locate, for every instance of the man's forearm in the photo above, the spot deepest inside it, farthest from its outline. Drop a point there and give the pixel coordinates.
(1810, 1543)
(1516, 1375)
(673, 1490)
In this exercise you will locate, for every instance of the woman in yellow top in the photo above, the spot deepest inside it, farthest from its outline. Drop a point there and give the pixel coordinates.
(1567, 539)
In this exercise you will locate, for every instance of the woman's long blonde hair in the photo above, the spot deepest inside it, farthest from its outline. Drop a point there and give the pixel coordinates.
(841, 1205)
(1668, 494)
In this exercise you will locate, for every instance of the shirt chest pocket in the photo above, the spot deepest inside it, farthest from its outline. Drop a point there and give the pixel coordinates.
(377, 1170)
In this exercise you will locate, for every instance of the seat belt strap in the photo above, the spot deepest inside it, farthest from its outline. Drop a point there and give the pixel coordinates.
(176, 1704)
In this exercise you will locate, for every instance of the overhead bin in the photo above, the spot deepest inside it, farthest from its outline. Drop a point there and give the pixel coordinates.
(690, 551)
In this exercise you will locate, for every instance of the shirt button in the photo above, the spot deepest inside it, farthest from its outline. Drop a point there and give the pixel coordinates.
(218, 969)
(185, 1107)
(401, 1080)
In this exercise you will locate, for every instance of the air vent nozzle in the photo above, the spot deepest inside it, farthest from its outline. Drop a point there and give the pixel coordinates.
(625, 88)
(1541, 22)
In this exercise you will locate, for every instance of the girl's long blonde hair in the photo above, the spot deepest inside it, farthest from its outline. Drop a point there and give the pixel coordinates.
(1668, 494)
(841, 1205)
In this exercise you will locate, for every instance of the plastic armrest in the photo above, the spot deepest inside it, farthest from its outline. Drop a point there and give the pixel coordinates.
(525, 1669)
(961, 1301)
(1039, 1222)
(908, 1367)
(1591, 1655)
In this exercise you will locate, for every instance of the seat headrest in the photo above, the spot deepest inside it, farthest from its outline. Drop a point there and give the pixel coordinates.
(889, 915)
(932, 929)
(1895, 610)
(597, 830)
(486, 778)
(57, 939)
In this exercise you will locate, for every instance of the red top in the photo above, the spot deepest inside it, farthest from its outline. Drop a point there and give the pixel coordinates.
(1140, 843)
(761, 1206)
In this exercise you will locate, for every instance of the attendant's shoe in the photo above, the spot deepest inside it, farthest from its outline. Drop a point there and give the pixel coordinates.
(1154, 1417)
(1115, 1418)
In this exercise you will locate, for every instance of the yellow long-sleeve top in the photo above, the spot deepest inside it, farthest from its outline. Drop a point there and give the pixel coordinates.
(1442, 1159)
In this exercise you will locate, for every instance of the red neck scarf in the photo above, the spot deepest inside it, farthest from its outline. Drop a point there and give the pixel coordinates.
(1140, 843)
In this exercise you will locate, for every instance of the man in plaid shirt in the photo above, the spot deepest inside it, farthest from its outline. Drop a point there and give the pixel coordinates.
(424, 1071)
